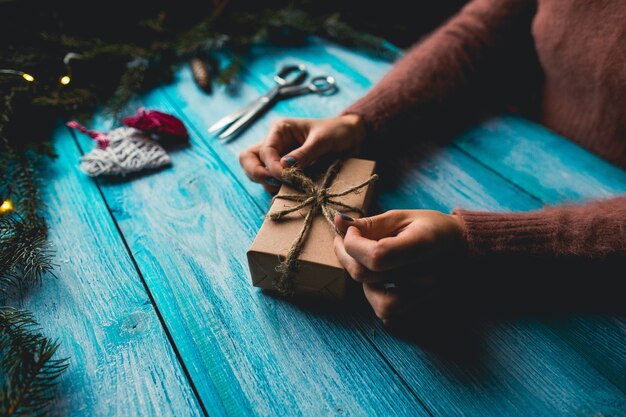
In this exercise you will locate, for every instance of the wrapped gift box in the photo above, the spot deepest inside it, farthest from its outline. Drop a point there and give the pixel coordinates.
(319, 272)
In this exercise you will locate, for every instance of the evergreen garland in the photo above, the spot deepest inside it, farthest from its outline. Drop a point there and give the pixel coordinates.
(28, 371)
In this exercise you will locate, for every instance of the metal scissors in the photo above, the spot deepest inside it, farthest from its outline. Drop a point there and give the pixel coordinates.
(289, 84)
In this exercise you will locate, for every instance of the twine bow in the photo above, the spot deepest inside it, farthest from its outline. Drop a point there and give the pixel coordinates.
(319, 199)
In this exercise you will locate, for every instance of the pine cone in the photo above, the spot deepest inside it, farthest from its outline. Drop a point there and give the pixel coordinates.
(201, 74)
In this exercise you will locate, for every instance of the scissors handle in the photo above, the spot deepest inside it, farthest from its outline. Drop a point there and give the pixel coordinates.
(323, 85)
(291, 75)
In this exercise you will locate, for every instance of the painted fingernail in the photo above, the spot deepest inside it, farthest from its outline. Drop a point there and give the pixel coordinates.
(273, 182)
(346, 217)
(290, 161)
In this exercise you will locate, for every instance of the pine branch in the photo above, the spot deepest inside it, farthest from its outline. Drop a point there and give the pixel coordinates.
(130, 83)
(25, 254)
(27, 196)
(202, 36)
(6, 109)
(344, 34)
(28, 372)
(228, 76)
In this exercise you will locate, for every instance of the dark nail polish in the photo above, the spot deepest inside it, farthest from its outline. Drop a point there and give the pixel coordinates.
(273, 182)
(290, 161)
(346, 217)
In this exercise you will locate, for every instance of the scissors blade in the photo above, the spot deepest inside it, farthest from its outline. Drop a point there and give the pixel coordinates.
(255, 111)
(222, 123)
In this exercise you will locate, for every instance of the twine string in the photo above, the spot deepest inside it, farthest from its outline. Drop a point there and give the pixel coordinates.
(319, 199)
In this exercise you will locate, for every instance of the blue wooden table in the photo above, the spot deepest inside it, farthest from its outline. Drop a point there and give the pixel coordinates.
(154, 307)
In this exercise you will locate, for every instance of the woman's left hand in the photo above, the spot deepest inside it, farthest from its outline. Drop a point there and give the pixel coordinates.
(407, 248)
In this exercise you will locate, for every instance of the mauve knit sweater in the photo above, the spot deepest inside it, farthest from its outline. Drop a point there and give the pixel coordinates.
(581, 49)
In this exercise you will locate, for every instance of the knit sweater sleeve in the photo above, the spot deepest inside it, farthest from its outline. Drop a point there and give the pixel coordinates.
(450, 59)
(593, 230)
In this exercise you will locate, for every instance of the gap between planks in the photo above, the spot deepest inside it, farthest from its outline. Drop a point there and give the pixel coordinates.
(199, 132)
(498, 174)
(146, 289)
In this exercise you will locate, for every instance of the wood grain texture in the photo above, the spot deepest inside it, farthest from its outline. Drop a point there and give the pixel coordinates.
(319, 57)
(556, 170)
(121, 362)
(541, 162)
(443, 179)
(541, 374)
(188, 228)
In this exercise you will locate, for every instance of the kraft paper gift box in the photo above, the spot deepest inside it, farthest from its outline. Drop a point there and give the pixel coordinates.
(318, 269)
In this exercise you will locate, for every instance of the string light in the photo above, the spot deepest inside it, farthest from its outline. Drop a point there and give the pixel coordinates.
(22, 74)
(67, 59)
(6, 206)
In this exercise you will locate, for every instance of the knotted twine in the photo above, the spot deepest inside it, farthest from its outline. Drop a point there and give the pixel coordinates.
(318, 199)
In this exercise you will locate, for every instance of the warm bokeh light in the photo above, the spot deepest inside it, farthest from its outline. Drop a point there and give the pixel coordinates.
(28, 77)
(6, 206)
(65, 80)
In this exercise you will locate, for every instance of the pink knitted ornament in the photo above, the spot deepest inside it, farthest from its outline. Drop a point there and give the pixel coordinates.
(130, 148)
(156, 122)
(121, 151)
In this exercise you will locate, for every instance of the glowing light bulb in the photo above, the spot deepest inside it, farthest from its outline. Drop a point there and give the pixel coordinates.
(65, 80)
(6, 206)
(28, 77)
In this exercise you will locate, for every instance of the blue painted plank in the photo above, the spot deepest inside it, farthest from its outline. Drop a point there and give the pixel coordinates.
(450, 179)
(601, 340)
(541, 374)
(200, 110)
(121, 362)
(188, 228)
(541, 162)
(557, 170)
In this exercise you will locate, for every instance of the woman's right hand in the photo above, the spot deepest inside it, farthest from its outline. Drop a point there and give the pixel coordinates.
(299, 141)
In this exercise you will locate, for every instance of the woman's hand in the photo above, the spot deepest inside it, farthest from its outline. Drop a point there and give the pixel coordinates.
(408, 248)
(299, 141)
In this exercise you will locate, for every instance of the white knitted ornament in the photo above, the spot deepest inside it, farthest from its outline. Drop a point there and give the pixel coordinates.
(128, 150)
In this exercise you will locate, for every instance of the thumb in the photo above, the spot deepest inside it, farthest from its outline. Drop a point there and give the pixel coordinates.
(343, 221)
(374, 227)
(306, 154)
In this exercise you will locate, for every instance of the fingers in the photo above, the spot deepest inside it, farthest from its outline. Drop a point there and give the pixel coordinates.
(385, 241)
(367, 251)
(374, 227)
(272, 147)
(256, 171)
(281, 138)
(343, 221)
(302, 142)
(386, 304)
(414, 275)
(252, 165)
(376, 255)
(357, 271)
(383, 225)
(306, 154)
